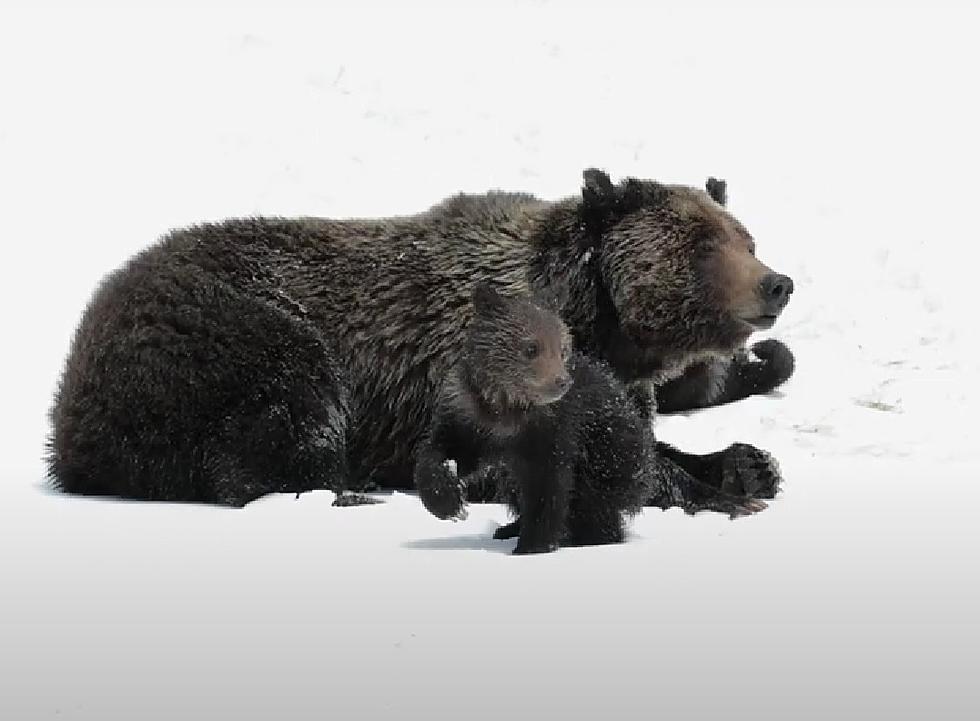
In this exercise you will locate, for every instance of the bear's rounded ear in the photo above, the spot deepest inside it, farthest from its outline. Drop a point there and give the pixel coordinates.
(718, 190)
(598, 191)
(486, 298)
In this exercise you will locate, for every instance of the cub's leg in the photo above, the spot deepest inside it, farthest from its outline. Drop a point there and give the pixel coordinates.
(544, 471)
(611, 481)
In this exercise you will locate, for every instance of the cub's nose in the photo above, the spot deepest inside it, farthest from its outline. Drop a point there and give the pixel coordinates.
(563, 383)
(776, 290)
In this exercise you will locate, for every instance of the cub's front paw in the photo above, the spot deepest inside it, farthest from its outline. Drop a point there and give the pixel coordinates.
(749, 471)
(443, 494)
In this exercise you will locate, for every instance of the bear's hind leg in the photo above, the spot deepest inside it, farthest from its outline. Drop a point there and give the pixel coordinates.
(181, 387)
(288, 437)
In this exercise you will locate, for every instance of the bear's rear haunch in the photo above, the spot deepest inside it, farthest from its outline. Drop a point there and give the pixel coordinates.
(257, 355)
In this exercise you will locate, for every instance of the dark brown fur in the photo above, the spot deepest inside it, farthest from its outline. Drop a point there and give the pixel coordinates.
(234, 359)
(576, 456)
(514, 360)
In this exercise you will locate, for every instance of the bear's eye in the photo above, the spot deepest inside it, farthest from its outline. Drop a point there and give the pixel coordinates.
(531, 350)
(752, 248)
(566, 351)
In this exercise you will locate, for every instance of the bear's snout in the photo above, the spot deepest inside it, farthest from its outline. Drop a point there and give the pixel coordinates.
(555, 389)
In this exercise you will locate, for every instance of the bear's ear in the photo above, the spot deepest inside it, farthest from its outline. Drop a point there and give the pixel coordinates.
(598, 192)
(718, 190)
(487, 299)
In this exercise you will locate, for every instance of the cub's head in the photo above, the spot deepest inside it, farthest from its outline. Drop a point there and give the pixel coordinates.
(516, 350)
(681, 273)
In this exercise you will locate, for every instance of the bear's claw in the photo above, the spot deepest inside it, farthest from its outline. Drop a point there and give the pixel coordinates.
(733, 506)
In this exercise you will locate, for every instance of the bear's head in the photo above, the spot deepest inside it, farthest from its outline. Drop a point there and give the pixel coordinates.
(677, 274)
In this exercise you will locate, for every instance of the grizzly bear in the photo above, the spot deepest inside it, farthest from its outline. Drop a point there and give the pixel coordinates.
(234, 359)
(572, 442)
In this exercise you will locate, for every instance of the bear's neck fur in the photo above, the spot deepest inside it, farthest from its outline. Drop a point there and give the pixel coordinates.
(568, 258)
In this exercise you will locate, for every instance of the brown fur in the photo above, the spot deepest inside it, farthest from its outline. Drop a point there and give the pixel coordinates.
(514, 360)
(574, 462)
(205, 362)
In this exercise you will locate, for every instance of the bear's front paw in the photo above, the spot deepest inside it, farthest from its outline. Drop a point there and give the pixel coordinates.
(444, 495)
(776, 364)
(749, 471)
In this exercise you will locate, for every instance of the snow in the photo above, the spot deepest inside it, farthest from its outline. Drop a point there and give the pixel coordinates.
(847, 136)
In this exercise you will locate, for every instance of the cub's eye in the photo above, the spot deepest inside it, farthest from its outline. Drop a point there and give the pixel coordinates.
(752, 248)
(531, 350)
(566, 351)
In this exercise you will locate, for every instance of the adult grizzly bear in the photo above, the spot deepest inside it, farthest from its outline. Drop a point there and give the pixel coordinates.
(256, 355)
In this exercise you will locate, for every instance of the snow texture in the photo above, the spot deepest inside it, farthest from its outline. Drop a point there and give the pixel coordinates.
(847, 134)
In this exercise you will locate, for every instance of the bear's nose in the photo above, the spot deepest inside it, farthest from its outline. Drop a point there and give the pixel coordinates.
(776, 290)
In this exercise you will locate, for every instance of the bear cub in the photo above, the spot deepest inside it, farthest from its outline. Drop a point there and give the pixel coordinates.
(557, 426)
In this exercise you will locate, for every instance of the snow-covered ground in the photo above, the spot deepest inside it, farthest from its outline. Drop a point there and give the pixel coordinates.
(847, 135)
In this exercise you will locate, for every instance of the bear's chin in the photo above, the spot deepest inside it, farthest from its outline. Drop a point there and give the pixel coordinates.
(761, 322)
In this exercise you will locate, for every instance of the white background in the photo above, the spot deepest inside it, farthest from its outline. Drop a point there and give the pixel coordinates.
(847, 133)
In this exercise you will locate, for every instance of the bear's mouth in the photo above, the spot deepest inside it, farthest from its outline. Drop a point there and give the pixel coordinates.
(761, 322)
(544, 398)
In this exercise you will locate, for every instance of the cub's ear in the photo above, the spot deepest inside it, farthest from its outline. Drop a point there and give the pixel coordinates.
(486, 298)
(598, 191)
(718, 190)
